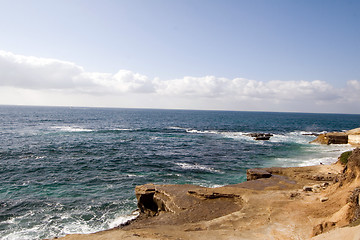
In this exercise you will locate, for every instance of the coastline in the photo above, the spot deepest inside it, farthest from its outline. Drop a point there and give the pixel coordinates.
(290, 203)
(67, 175)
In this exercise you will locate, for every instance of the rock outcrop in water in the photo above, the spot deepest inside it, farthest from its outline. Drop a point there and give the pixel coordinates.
(281, 203)
(260, 136)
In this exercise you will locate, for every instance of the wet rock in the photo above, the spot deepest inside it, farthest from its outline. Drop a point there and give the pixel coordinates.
(260, 136)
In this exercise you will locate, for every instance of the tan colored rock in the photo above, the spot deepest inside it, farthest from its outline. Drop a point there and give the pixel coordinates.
(354, 139)
(258, 209)
(256, 173)
(355, 131)
(332, 138)
(324, 199)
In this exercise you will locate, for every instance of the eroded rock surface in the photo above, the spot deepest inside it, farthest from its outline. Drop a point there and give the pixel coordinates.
(332, 138)
(352, 137)
(293, 203)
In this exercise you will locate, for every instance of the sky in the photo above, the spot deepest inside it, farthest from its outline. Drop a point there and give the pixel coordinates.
(243, 55)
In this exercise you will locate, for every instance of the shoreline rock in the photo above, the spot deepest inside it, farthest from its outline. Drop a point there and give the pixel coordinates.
(256, 173)
(281, 203)
(349, 137)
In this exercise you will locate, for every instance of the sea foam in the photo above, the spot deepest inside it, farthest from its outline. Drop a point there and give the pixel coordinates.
(71, 129)
(195, 166)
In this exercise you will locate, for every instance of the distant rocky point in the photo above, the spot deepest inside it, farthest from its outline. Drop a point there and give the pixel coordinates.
(352, 137)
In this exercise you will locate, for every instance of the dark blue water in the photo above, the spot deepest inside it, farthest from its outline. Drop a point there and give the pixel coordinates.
(74, 170)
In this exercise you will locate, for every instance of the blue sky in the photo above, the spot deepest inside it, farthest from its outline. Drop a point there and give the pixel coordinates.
(154, 53)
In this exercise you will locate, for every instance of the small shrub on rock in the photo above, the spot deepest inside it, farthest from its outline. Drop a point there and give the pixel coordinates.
(344, 157)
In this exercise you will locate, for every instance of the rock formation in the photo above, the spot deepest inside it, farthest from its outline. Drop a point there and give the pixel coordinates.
(281, 203)
(332, 138)
(351, 137)
(260, 136)
(354, 136)
(256, 173)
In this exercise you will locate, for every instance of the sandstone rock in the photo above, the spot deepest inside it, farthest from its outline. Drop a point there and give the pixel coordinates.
(324, 199)
(351, 137)
(355, 131)
(324, 185)
(274, 207)
(352, 168)
(295, 195)
(256, 173)
(354, 139)
(323, 227)
(316, 188)
(332, 138)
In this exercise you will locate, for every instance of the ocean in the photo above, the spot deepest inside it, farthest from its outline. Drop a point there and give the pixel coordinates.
(73, 170)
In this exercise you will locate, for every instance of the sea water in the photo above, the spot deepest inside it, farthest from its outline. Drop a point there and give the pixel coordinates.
(74, 170)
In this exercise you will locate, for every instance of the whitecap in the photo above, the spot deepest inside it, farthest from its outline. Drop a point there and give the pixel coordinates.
(130, 175)
(195, 166)
(123, 129)
(123, 219)
(177, 128)
(71, 129)
(202, 131)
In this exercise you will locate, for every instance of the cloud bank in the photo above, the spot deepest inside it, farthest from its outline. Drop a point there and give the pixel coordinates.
(28, 73)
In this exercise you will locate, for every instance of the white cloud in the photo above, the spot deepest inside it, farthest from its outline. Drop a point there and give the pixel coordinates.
(211, 86)
(124, 81)
(72, 83)
(37, 73)
(208, 86)
(43, 73)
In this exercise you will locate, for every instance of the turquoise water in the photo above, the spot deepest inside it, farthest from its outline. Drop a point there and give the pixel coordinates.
(74, 170)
